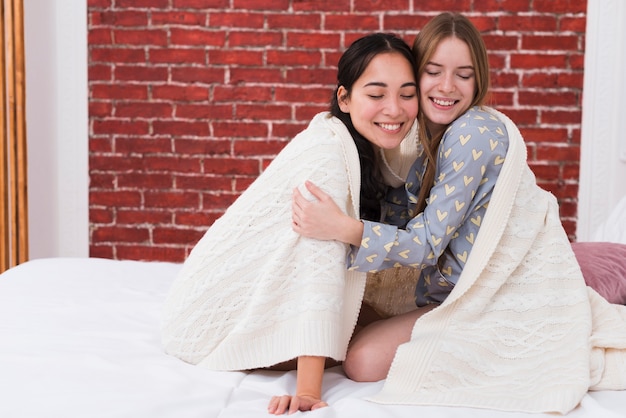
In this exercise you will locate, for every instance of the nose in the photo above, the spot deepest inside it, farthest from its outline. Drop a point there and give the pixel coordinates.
(393, 107)
(447, 83)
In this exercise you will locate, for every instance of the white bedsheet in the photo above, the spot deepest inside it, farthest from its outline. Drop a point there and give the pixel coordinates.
(80, 338)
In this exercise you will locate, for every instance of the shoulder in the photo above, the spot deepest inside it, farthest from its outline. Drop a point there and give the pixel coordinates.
(476, 122)
(478, 119)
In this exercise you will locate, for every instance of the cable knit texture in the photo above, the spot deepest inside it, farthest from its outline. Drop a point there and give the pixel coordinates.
(520, 331)
(254, 293)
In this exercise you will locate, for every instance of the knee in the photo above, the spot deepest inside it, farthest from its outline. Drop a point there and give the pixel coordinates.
(361, 365)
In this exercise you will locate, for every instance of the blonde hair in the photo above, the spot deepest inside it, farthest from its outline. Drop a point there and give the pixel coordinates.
(436, 30)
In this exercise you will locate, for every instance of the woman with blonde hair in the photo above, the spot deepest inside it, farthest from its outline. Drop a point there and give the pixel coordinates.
(502, 317)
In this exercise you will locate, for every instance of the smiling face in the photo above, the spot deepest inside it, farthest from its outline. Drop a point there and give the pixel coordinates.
(383, 101)
(447, 85)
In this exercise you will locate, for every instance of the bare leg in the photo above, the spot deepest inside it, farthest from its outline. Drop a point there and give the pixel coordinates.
(372, 350)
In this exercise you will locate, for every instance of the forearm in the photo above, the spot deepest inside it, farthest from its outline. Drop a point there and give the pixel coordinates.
(309, 376)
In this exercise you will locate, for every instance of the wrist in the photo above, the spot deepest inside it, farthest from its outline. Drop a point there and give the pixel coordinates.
(351, 231)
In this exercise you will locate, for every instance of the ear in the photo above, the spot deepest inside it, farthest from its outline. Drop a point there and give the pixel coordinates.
(343, 99)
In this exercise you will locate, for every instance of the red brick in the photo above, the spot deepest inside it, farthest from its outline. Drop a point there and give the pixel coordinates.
(235, 57)
(560, 6)
(258, 148)
(307, 76)
(561, 117)
(235, 166)
(117, 54)
(237, 19)
(115, 198)
(325, 5)
(184, 93)
(200, 4)
(99, 36)
(307, 95)
(242, 93)
(197, 37)
(262, 4)
(204, 111)
(100, 109)
(140, 37)
(101, 251)
(119, 18)
(156, 4)
(150, 253)
(377, 5)
(536, 60)
(179, 18)
(140, 73)
(263, 111)
(171, 235)
(203, 75)
(309, 21)
(173, 164)
(139, 145)
(119, 126)
(261, 75)
(202, 146)
(313, 40)
(528, 23)
(143, 181)
(250, 38)
(573, 24)
(543, 98)
(171, 200)
(101, 216)
(203, 183)
(218, 202)
(177, 56)
(143, 217)
(558, 153)
(200, 219)
(550, 43)
(542, 135)
(180, 128)
(365, 23)
(294, 57)
(237, 129)
(143, 110)
(118, 91)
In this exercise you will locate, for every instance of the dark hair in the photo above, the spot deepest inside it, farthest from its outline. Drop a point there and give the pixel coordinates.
(352, 64)
(439, 28)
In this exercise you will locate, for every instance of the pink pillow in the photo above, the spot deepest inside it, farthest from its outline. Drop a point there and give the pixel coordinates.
(604, 268)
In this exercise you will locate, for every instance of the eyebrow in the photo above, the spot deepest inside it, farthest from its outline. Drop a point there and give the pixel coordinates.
(381, 84)
(463, 67)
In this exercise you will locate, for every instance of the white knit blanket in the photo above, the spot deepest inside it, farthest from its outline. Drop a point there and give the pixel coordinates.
(253, 293)
(520, 331)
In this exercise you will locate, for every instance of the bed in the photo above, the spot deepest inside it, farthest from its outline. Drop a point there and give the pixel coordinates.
(80, 337)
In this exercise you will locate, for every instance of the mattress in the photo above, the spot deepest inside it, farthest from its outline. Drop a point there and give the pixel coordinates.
(80, 337)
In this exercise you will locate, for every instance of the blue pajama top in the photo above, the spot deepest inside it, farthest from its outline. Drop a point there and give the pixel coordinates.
(439, 240)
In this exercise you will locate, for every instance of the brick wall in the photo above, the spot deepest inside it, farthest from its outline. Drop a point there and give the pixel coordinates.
(190, 99)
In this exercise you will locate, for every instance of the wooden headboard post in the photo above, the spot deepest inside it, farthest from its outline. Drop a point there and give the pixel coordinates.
(13, 174)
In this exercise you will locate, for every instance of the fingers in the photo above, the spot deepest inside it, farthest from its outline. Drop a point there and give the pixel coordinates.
(319, 405)
(315, 191)
(279, 404)
(294, 406)
(291, 404)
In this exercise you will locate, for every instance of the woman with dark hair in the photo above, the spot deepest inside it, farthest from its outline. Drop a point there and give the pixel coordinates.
(255, 294)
